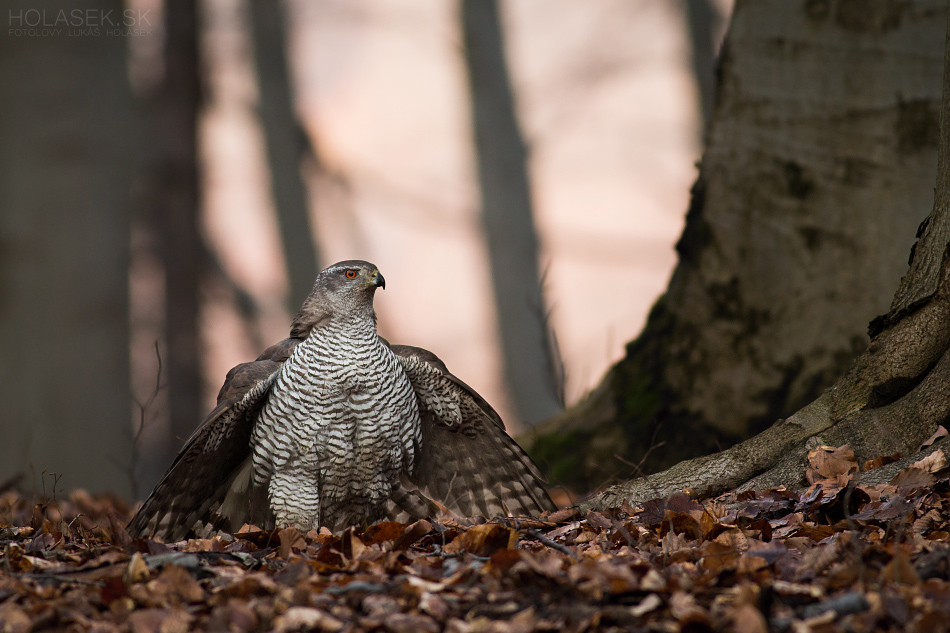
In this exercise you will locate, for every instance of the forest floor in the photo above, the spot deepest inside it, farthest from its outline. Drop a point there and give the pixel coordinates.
(838, 556)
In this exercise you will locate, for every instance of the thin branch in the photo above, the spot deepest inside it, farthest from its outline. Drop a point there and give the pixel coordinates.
(540, 538)
(132, 466)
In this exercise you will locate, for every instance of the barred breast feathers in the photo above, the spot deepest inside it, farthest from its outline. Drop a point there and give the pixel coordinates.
(344, 418)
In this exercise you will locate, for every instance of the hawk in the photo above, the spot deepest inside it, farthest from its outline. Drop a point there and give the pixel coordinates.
(334, 427)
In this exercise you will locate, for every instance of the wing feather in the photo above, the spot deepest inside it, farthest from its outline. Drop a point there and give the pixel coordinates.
(207, 488)
(468, 463)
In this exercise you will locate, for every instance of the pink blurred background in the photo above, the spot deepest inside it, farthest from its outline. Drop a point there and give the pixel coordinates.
(609, 107)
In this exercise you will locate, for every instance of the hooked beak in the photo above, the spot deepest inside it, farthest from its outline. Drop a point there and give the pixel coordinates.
(378, 280)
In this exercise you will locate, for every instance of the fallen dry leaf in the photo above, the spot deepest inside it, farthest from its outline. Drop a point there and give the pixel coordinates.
(900, 570)
(306, 618)
(290, 539)
(933, 462)
(829, 462)
(940, 432)
(912, 478)
(651, 603)
(160, 621)
(877, 462)
(747, 619)
(484, 540)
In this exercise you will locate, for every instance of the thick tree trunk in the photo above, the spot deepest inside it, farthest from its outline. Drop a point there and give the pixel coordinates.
(819, 166)
(66, 166)
(506, 217)
(892, 397)
(286, 144)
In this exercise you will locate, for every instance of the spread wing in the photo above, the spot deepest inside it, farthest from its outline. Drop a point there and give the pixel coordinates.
(468, 462)
(208, 486)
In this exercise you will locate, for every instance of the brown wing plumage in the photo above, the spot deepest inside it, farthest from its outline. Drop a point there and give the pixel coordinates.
(468, 463)
(215, 460)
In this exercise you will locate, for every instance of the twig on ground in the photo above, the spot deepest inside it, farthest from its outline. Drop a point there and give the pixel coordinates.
(540, 538)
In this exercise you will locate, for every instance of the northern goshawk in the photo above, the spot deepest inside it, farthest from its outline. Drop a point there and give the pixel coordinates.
(334, 426)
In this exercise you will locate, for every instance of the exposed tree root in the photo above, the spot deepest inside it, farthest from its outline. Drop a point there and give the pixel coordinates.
(777, 455)
(728, 469)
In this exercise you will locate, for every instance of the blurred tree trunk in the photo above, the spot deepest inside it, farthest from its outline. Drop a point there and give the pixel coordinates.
(506, 217)
(702, 20)
(819, 167)
(286, 144)
(66, 164)
(176, 199)
(890, 400)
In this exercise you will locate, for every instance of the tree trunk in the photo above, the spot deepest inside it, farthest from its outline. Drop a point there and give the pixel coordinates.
(66, 165)
(892, 397)
(286, 143)
(819, 166)
(506, 217)
(702, 19)
(176, 199)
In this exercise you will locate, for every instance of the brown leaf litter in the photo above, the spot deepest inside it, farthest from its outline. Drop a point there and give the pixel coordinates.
(838, 556)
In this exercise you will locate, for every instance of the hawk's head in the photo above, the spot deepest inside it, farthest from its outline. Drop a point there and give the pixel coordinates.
(352, 281)
(343, 289)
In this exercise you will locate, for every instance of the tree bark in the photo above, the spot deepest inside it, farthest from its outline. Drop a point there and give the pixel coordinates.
(891, 399)
(819, 166)
(701, 19)
(286, 144)
(176, 200)
(66, 166)
(506, 217)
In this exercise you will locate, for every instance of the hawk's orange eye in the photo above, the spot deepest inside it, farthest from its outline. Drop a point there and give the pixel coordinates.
(351, 274)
